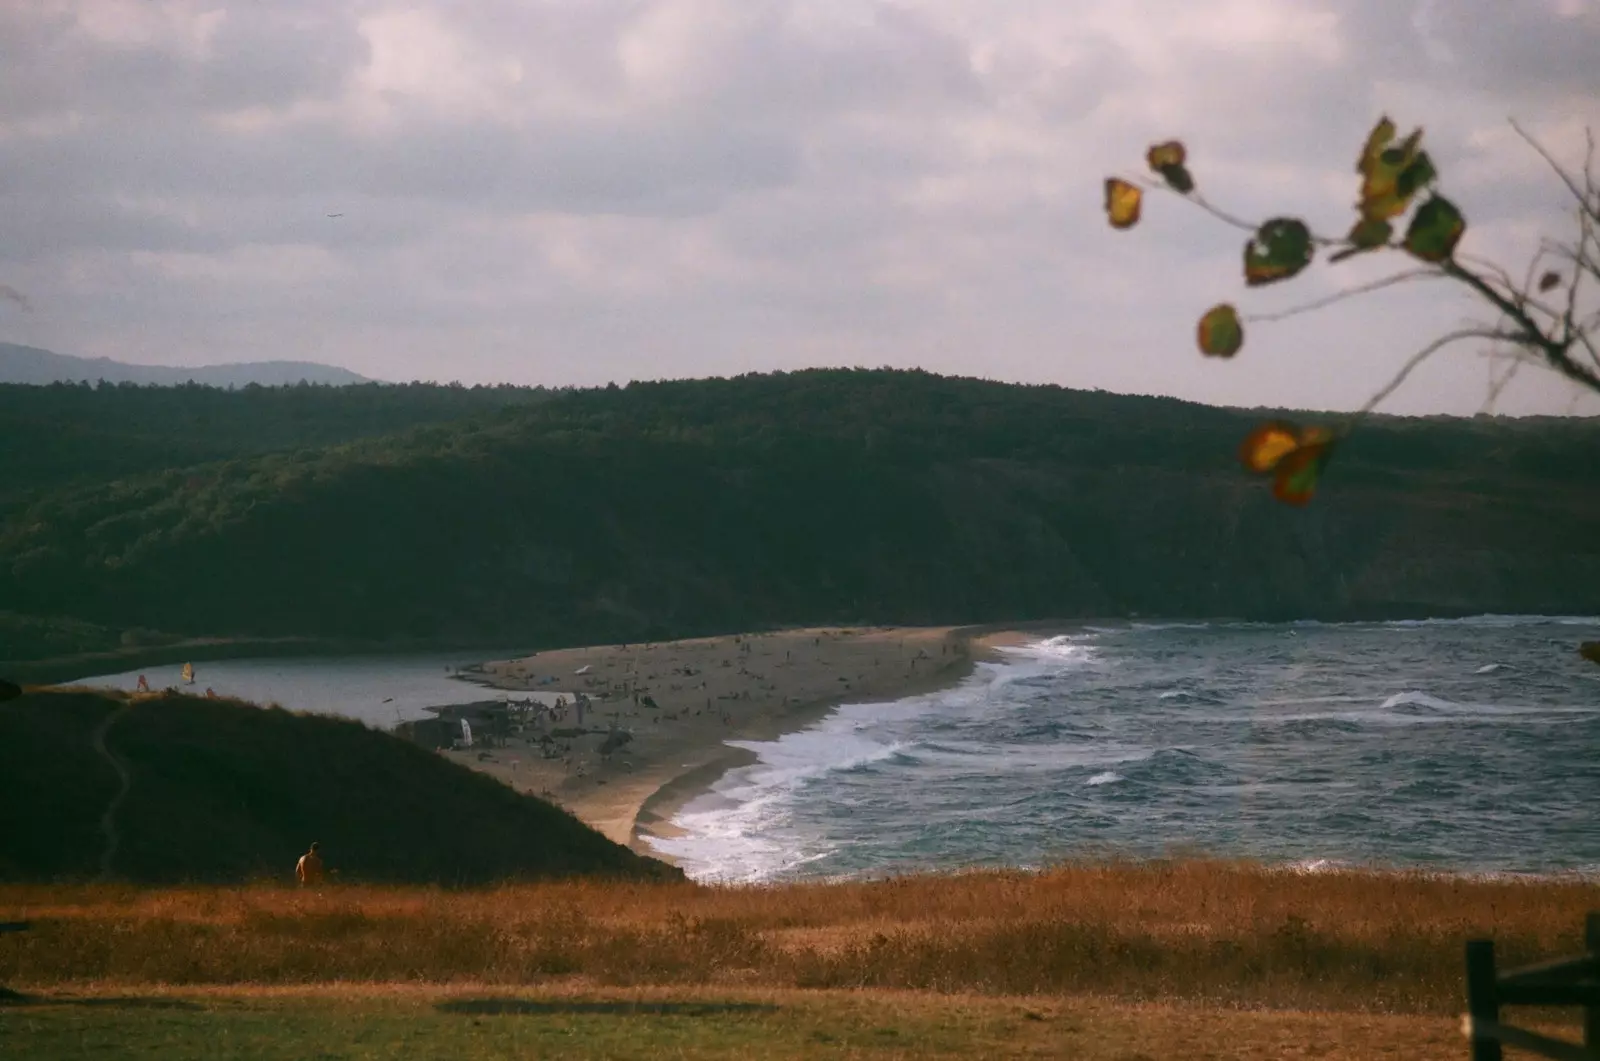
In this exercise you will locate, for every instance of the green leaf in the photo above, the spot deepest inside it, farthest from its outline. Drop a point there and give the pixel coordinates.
(1167, 159)
(1220, 333)
(1122, 203)
(1298, 473)
(1435, 230)
(1280, 249)
(1416, 176)
(1178, 179)
(1365, 235)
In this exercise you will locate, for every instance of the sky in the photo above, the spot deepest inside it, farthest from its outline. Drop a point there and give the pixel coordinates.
(574, 192)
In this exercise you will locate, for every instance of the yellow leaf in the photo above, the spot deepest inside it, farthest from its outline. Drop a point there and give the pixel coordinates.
(1170, 153)
(1377, 140)
(1268, 444)
(1391, 175)
(1122, 203)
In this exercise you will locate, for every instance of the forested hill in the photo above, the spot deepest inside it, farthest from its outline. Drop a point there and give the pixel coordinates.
(57, 436)
(822, 496)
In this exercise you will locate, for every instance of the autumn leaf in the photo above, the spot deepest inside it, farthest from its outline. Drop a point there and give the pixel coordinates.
(1298, 472)
(1171, 153)
(1377, 140)
(1280, 248)
(1365, 235)
(1549, 280)
(1435, 230)
(1167, 159)
(1268, 444)
(1220, 333)
(1122, 203)
(1391, 175)
(1293, 455)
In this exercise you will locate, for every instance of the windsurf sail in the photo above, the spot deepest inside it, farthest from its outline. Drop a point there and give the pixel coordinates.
(188, 674)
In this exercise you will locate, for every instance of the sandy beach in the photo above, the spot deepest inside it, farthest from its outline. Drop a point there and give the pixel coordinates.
(704, 692)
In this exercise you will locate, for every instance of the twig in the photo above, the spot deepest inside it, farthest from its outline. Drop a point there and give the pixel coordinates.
(1571, 184)
(1388, 281)
(1422, 355)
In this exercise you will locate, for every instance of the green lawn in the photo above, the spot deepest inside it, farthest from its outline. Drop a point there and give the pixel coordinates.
(383, 1022)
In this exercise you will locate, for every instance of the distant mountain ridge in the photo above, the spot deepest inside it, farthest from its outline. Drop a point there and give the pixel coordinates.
(29, 364)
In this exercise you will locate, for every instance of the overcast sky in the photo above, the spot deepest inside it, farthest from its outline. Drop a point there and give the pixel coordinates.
(580, 191)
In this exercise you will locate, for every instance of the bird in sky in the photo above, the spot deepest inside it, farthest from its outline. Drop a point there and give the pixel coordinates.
(335, 215)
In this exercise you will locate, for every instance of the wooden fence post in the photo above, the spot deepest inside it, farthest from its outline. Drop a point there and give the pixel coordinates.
(1591, 1012)
(1483, 1002)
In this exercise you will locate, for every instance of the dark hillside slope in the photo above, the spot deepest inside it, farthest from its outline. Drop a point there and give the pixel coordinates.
(225, 791)
(824, 496)
(64, 435)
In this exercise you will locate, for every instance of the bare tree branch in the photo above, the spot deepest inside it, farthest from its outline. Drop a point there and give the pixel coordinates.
(1428, 273)
(1529, 334)
(1566, 179)
(1496, 386)
(1422, 355)
(1205, 204)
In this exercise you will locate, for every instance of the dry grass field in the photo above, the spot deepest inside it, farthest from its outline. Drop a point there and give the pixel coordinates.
(1137, 957)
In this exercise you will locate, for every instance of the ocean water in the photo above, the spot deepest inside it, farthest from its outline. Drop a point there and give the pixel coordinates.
(1467, 745)
(381, 691)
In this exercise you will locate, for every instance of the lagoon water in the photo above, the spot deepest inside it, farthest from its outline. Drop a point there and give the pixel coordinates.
(1466, 745)
(381, 691)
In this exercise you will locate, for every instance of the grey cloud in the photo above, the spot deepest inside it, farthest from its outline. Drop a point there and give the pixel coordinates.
(850, 182)
(270, 56)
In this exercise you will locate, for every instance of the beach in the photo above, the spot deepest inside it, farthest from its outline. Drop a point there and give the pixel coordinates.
(705, 692)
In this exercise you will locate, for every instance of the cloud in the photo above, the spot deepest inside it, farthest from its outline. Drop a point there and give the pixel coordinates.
(561, 192)
(16, 298)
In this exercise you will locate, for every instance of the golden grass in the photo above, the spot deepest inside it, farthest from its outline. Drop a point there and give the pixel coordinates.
(1213, 932)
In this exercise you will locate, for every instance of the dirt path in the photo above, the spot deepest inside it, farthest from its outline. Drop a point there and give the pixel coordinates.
(108, 819)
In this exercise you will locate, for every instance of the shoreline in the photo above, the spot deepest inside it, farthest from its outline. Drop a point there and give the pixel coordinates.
(784, 682)
(655, 813)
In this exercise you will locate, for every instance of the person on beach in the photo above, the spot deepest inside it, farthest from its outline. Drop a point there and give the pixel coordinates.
(308, 871)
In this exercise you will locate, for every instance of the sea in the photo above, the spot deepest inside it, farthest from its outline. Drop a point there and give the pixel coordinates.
(1465, 746)
(382, 691)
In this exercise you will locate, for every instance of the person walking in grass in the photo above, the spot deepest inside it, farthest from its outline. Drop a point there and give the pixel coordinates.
(308, 871)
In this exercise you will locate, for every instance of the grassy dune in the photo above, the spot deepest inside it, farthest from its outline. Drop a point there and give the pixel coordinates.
(1194, 931)
(225, 792)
